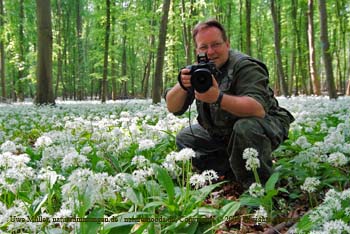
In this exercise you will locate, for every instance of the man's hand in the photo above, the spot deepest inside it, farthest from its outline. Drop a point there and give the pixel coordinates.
(211, 95)
(186, 78)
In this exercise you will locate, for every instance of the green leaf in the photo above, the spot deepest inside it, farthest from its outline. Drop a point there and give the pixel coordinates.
(92, 227)
(37, 204)
(134, 196)
(166, 181)
(230, 209)
(249, 201)
(271, 183)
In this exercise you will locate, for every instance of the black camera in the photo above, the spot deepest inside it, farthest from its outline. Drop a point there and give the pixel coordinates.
(201, 73)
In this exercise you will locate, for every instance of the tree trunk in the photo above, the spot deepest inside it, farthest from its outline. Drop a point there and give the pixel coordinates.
(279, 65)
(186, 31)
(295, 34)
(2, 54)
(347, 91)
(19, 82)
(312, 57)
(59, 77)
(105, 59)
(44, 67)
(326, 55)
(248, 27)
(79, 62)
(157, 83)
(124, 88)
(113, 58)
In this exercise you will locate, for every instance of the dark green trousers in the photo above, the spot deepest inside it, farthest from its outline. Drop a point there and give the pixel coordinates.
(224, 154)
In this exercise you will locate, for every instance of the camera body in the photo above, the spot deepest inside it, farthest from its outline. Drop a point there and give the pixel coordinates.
(201, 73)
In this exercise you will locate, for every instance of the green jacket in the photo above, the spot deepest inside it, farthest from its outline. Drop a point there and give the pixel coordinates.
(241, 75)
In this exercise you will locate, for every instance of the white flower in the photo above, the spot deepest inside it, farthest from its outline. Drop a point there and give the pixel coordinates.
(173, 169)
(256, 190)
(200, 180)
(171, 157)
(260, 215)
(86, 150)
(197, 181)
(310, 184)
(8, 146)
(302, 142)
(210, 175)
(139, 161)
(337, 159)
(140, 176)
(146, 144)
(335, 227)
(74, 159)
(43, 141)
(347, 211)
(185, 154)
(251, 155)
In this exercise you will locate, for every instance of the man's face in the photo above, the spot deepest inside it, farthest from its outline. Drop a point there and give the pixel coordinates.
(210, 40)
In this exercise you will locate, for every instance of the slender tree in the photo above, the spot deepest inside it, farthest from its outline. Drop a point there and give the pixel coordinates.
(2, 53)
(78, 89)
(248, 27)
(21, 70)
(44, 93)
(326, 54)
(294, 36)
(186, 30)
(157, 82)
(347, 90)
(59, 29)
(279, 64)
(312, 54)
(105, 58)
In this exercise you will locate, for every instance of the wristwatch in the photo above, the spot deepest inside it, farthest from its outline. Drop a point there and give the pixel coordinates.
(218, 101)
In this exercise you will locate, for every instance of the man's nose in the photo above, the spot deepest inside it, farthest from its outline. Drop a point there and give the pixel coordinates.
(210, 50)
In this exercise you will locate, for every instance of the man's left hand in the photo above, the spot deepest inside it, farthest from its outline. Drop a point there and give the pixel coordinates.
(211, 95)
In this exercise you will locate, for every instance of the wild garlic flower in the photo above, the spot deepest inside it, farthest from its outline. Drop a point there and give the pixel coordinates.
(210, 175)
(86, 150)
(173, 169)
(185, 154)
(251, 155)
(347, 211)
(140, 175)
(260, 215)
(146, 144)
(337, 159)
(140, 161)
(14, 171)
(336, 227)
(256, 190)
(8, 146)
(310, 184)
(171, 157)
(74, 159)
(43, 141)
(198, 181)
(302, 142)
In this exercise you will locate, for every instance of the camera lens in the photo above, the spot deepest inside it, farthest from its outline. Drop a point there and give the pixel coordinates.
(201, 80)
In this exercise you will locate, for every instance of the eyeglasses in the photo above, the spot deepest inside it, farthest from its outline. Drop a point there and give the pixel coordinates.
(214, 46)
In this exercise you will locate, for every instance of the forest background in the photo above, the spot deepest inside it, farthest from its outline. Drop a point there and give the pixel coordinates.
(107, 50)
